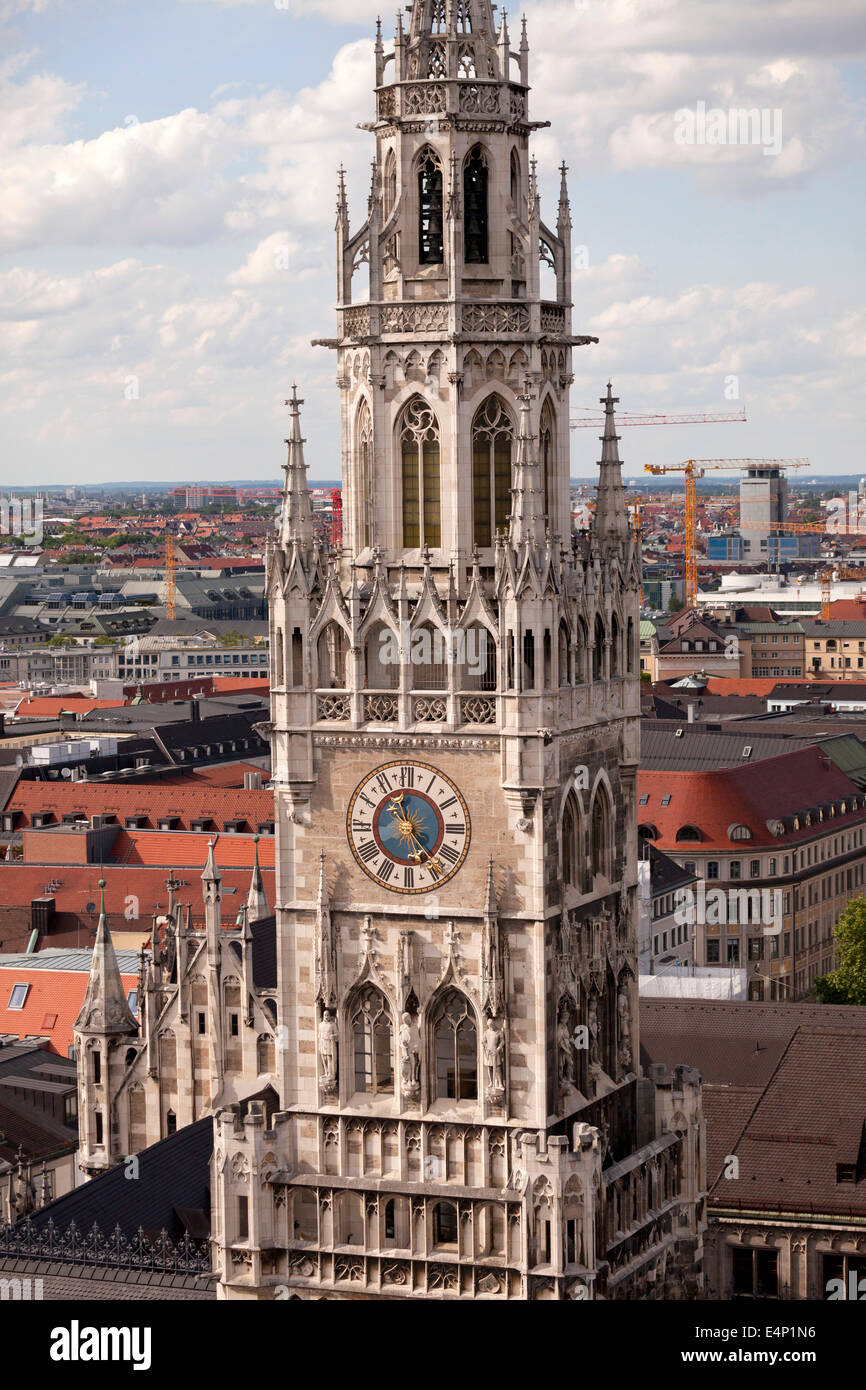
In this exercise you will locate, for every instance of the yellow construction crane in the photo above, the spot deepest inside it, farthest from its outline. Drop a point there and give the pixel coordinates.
(694, 469)
(170, 579)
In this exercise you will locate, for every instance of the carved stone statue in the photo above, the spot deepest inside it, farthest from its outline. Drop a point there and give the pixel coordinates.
(328, 1048)
(409, 1039)
(592, 1024)
(624, 1030)
(493, 1044)
(565, 1052)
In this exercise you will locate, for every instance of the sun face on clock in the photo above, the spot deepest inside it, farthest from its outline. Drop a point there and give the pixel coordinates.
(408, 827)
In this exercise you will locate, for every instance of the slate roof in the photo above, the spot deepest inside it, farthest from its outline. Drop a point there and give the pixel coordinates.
(784, 1089)
(808, 1120)
(37, 1133)
(171, 1193)
(695, 748)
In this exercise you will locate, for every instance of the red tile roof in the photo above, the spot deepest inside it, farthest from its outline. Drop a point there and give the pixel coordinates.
(139, 886)
(173, 849)
(236, 685)
(58, 992)
(187, 801)
(49, 707)
(749, 685)
(771, 789)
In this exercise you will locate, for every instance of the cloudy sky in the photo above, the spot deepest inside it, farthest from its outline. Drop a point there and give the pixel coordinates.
(167, 183)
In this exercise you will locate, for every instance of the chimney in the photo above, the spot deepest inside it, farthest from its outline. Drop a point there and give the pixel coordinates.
(195, 711)
(691, 713)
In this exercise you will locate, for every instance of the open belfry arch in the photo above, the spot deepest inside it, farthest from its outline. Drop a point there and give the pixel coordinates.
(455, 707)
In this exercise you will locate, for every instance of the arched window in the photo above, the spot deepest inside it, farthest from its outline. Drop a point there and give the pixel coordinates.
(580, 674)
(431, 244)
(571, 844)
(475, 216)
(455, 1039)
(564, 656)
(445, 1225)
(381, 659)
(598, 651)
(331, 651)
(600, 848)
(389, 185)
(422, 510)
(265, 1055)
(614, 647)
(492, 442)
(429, 658)
(688, 833)
(365, 475)
(515, 180)
(478, 658)
(546, 454)
(372, 1041)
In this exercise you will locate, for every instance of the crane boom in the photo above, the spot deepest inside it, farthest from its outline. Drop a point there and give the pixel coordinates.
(633, 418)
(693, 469)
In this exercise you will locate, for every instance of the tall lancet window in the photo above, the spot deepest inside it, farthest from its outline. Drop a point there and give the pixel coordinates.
(476, 221)
(548, 429)
(389, 185)
(365, 475)
(431, 243)
(422, 507)
(492, 442)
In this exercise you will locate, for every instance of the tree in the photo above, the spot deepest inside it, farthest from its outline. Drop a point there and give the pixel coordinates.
(675, 605)
(847, 983)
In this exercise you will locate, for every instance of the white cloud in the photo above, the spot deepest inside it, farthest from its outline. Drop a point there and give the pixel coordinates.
(177, 179)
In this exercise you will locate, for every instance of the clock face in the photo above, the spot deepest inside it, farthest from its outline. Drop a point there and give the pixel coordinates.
(408, 827)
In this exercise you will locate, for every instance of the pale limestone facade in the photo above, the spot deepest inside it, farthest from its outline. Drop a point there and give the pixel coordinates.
(461, 1108)
(204, 1037)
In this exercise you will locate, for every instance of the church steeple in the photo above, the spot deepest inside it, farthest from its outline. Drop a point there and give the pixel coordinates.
(611, 514)
(257, 900)
(105, 1012)
(296, 520)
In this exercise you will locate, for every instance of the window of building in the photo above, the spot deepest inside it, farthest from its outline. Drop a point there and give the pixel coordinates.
(456, 1048)
(492, 443)
(18, 997)
(712, 952)
(372, 1037)
(733, 950)
(475, 212)
(422, 514)
(431, 243)
(754, 1273)
(735, 869)
(712, 868)
(755, 868)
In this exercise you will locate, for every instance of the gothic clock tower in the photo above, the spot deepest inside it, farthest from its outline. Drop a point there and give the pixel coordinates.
(455, 708)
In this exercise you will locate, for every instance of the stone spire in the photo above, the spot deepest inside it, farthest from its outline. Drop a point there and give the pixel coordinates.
(296, 522)
(610, 522)
(563, 219)
(257, 902)
(527, 507)
(105, 1010)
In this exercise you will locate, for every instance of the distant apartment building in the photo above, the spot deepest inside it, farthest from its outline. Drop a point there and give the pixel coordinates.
(835, 650)
(163, 658)
(779, 847)
(777, 649)
(664, 940)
